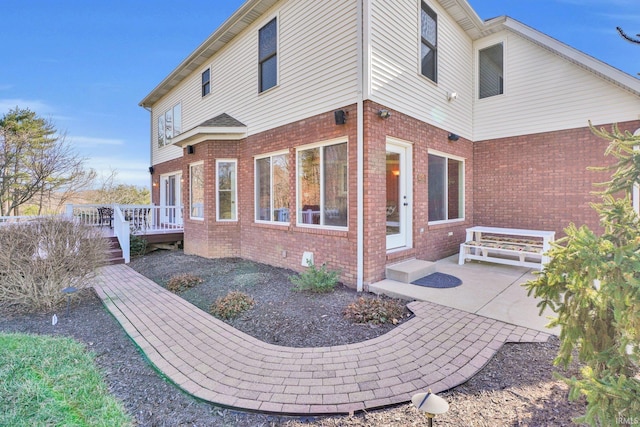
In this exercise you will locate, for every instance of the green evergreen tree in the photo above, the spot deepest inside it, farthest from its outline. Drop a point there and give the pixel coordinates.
(592, 283)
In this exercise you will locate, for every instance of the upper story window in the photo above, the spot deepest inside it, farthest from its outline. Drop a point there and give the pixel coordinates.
(446, 188)
(268, 55)
(169, 125)
(322, 185)
(206, 82)
(491, 71)
(429, 38)
(272, 188)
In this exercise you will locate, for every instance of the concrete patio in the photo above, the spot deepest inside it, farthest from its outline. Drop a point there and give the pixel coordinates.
(490, 290)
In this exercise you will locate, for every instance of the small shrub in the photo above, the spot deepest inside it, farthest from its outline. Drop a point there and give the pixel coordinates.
(232, 305)
(182, 282)
(137, 245)
(40, 258)
(376, 311)
(316, 279)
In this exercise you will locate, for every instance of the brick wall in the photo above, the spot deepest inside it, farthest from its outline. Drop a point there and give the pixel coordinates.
(540, 181)
(430, 242)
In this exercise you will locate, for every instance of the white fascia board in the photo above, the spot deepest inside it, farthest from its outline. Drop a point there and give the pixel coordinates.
(200, 134)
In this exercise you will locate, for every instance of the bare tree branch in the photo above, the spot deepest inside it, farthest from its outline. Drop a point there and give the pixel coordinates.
(627, 37)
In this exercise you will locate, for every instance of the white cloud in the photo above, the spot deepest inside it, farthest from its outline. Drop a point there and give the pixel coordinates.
(6, 87)
(90, 142)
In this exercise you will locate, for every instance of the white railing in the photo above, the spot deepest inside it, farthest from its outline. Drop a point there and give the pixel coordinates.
(142, 219)
(129, 219)
(123, 219)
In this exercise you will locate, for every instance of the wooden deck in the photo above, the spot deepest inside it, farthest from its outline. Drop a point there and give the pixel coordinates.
(151, 236)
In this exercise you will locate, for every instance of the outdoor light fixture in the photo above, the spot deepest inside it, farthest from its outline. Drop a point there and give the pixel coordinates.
(151, 170)
(340, 117)
(384, 114)
(452, 96)
(453, 137)
(431, 404)
(68, 291)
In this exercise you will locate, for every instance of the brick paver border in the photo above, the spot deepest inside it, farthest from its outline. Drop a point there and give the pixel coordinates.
(439, 348)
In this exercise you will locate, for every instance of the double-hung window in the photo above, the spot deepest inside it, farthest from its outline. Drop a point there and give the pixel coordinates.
(196, 190)
(272, 188)
(491, 71)
(268, 55)
(446, 188)
(206, 82)
(322, 187)
(429, 43)
(169, 125)
(226, 190)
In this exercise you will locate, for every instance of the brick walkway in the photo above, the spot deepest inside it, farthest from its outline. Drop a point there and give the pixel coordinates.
(438, 349)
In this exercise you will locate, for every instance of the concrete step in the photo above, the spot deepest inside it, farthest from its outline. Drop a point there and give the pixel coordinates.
(408, 271)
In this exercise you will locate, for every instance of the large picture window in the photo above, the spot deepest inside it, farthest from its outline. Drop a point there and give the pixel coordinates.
(226, 178)
(491, 71)
(429, 45)
(196, 191)
(169, 125)
(446, 188)
(268, 55)
(272, 188)
(322, 190)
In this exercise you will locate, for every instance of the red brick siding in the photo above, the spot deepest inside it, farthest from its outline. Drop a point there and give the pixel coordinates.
(540, 181)
(430, 242)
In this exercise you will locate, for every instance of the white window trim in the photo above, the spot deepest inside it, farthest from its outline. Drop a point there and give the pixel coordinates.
(341, 140)
(265, 22)
(167, 142)
(491, 41)
(191, 165)
(235, 191)
(255, 187)
(201, 73)
(464, 192)
(438, 13)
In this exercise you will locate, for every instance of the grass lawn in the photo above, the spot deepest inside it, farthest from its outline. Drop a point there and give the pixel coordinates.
(53, 381)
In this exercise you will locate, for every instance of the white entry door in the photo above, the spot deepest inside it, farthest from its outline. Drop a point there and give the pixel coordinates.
(399, 196)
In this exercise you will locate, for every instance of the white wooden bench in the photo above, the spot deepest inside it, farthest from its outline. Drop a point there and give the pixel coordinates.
(512, 246)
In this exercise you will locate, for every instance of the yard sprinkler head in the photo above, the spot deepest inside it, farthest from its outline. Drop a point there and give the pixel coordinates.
(431, 404)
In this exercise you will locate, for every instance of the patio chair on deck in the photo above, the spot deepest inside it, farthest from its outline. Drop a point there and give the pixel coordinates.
(105, 215)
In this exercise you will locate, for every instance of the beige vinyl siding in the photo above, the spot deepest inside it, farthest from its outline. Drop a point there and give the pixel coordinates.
(395, 78)
(545, 92)
(317, 72)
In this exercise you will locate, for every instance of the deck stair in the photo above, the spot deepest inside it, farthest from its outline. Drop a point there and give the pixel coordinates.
(408, 271)
(115, 255)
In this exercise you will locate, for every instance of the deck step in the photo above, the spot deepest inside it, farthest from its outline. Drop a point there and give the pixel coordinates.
(408, 271)
(114, 254)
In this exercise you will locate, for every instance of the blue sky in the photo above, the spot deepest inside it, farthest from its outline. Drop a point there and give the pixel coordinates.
(87, 64)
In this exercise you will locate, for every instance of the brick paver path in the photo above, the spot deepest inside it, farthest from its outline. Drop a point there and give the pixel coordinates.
(438, 349)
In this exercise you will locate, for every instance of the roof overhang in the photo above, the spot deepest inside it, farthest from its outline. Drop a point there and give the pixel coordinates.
(470, 22)
(209, 133)
(247, 14)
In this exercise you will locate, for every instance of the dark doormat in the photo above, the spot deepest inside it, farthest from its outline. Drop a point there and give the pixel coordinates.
(438, 280)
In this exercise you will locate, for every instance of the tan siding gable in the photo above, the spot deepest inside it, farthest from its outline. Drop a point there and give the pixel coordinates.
(317, 72)
(395, 75)
(545, 92)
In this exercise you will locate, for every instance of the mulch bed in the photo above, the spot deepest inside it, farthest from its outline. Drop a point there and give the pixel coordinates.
(515, 388)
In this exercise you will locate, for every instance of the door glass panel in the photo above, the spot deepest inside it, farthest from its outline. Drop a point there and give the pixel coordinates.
(393, 193)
